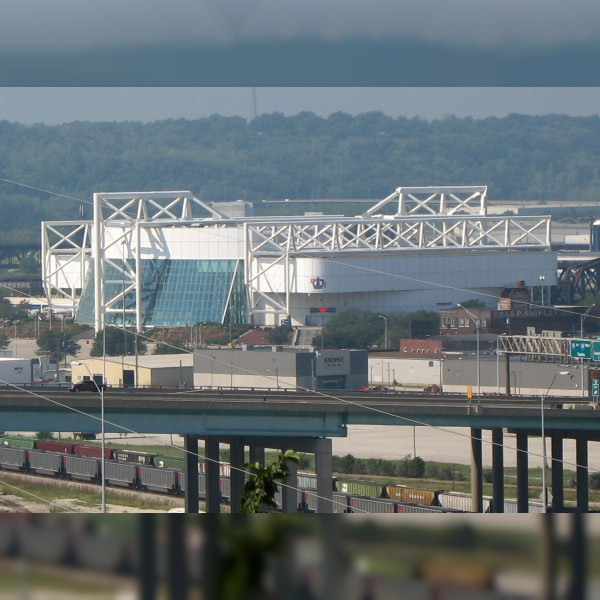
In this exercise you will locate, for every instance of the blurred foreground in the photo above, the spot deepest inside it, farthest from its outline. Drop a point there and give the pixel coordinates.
(271, 557)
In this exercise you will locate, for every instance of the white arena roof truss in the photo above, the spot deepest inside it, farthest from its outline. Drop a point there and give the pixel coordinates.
(423, 219)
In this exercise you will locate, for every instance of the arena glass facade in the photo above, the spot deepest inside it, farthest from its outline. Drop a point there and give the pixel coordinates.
(174, 293)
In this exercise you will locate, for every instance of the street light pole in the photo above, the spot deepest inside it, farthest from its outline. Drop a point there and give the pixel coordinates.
(477, 325)
(583, 316)
(544, 458)
(385, 334)
(102, 465)
(200, 337)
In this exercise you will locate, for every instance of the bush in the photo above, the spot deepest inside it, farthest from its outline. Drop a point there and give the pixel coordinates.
(595, 481)
(44, 435)
(416, 467)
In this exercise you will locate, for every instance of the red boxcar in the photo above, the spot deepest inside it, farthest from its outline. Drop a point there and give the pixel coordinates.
(92, 451)
(55, 446)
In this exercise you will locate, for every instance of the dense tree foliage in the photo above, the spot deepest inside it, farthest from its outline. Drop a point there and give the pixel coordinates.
(117, 343)
(261, 487)
(302, 156)
(174, 347)
(354, 328)
(57, 343)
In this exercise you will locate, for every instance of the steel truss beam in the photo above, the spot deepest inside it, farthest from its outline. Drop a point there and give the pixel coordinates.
(351, 235)
(536, 348)
(435, 200)
(580, 280)
(66, 250)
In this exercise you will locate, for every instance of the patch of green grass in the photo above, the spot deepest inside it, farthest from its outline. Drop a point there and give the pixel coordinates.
(51, 494)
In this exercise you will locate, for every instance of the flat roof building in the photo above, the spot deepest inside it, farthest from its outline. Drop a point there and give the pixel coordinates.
(280, 369)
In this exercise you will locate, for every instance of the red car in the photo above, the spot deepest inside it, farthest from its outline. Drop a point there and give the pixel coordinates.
(433, 389)
(87, 385)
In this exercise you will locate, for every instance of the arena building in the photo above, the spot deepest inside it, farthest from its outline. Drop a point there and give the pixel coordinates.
(169, 259)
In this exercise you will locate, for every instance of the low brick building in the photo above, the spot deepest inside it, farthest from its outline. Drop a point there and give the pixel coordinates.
(421, 348)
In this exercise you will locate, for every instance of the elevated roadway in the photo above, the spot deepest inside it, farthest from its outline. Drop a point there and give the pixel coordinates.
(307, 421)
(239, 412)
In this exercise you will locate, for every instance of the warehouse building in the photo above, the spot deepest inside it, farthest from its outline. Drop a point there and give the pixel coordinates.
(153, 371)
(277, 368)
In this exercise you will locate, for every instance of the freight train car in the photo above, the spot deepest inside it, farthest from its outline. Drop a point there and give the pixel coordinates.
(412, 495)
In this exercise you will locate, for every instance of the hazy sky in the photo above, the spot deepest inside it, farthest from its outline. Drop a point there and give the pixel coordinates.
(60, 105)
(77, 24)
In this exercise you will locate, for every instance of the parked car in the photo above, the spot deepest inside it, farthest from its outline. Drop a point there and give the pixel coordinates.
(87, 385)
(380, 388)
(434, 389)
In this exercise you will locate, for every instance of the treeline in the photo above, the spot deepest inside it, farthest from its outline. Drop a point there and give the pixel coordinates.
(299, 157)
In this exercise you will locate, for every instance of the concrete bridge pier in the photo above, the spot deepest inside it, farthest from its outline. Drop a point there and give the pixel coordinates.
(213, 490)
(476, 471)
(497, 470)
(522, 472)
(237, 455)
(190, 445)
(320, 447)
(558, 494)
(581, 457)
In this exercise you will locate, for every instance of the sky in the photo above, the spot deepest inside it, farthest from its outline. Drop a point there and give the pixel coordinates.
(286, 42)
(55, 105)
(75, 24)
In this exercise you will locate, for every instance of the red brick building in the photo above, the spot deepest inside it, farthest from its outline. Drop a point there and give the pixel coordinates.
(420, 348)
(456, 321)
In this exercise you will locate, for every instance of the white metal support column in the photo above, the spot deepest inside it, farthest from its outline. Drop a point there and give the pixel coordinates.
(98, 254)
(138, 280)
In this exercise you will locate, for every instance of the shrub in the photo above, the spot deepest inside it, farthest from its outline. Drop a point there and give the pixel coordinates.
(595, 481)
(416, 467)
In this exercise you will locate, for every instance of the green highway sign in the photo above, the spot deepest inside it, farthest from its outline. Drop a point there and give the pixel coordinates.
(596, 351)
(595, 387)
(581, 349)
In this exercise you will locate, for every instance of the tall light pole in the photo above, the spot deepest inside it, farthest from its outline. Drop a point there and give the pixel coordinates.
(544, 460)
(385, 333)
(102, 470)
(583, 316)
(200, 338)
(477, 326)
(542, 279)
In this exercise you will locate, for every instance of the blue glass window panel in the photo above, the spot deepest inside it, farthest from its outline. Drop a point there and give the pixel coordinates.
(176, 292)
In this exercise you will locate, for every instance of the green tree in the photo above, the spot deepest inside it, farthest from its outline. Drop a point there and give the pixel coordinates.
(6, 309)
(354, 328)
(174, 347)
(118, 342)
(473, 304)
(279, 335)
(4, 341)
(57, 344)
(416, 467)
(29, 264)
(260, 489)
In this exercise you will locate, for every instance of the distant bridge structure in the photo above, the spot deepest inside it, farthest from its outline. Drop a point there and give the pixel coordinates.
(578, 280)
(16, 252)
